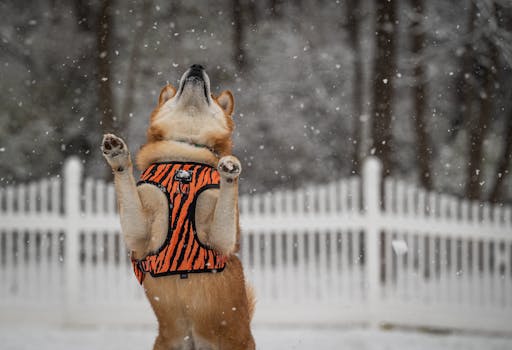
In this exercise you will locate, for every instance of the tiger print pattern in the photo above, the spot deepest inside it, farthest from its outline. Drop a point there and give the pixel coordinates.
(182, 252)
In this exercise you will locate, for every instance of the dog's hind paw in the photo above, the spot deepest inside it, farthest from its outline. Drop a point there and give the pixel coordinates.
(115, 152)
(229, 168)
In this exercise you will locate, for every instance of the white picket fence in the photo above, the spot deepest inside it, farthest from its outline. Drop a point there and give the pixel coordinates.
(332, 254)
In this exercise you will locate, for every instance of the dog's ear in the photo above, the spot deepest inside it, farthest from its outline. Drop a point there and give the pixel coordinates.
(226, 102)
(167, 92)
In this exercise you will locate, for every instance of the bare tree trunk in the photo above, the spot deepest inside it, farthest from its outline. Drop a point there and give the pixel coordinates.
(354, 18)
(498, 192)
(252, 10)
(384, 71)
(423, 147)
(478, 129)
(127, 109)
(465, 91)
(238, 35)
(83, 14)
(104, 77)
(275, 8)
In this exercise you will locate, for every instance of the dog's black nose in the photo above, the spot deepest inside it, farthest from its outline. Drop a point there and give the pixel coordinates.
(196, 67)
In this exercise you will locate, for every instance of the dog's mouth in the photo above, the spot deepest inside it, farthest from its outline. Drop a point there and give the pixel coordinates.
(195, 83)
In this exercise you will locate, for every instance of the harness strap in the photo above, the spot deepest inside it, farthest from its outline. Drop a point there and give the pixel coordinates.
(199, 145)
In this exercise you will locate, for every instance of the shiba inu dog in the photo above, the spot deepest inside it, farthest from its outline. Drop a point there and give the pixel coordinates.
(180, 221)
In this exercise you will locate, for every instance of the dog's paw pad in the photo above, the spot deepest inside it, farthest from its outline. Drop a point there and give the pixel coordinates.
(229, 167)
(115, 152)
(113, 146)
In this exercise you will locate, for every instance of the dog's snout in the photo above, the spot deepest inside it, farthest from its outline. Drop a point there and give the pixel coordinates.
(196, 67)
(195, 77)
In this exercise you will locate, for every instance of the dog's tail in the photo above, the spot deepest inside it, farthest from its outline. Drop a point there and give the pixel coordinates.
(251, 299)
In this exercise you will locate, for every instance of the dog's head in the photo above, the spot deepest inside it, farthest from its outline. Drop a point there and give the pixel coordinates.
(192, 114)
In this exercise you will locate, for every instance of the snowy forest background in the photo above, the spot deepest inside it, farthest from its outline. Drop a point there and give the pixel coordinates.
(424, 85)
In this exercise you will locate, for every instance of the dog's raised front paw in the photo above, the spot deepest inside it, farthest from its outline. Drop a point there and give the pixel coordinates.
(115, 152)
(229, 167)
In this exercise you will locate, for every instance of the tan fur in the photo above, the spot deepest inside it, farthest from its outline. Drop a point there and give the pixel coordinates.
(206, 310)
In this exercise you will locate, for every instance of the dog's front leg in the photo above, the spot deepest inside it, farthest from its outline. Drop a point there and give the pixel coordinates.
(134, 223)
(224, 226)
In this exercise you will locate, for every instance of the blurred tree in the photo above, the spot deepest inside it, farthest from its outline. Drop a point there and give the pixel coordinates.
(131, 75)
(465, 79)
(253, 13)
(384, 72)
(239, 28)
(104, 77)
(478, 122)
(97, 19)
(419, 91)
(498, 192)
(275, 7)
(353, 10)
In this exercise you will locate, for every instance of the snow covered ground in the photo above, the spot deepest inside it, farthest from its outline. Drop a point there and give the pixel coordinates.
(25, 338)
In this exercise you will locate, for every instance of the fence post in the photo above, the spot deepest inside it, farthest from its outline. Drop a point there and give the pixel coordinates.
(372, 177)
(72, 197)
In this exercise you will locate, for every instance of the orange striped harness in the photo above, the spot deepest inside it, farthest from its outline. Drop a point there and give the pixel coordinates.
(182, 252)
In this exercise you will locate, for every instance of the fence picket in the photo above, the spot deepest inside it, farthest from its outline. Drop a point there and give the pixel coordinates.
(411, 195)
(444, 209)
(31, 261)
(322, 200)
(111, 199)
(278, 204)
(354, 192)
(431, 268)
(55, 195)
(101, 205)
(507, 275)
(290, 267)
(421, 203)
(343, 196)
(278, 270)
(333, 266)
(310, 286)
(332, 198)
(388, 264)
(390, 195)
(475, 213)
(454, 281)
(32, 198)
(9, 205)
(507, 214)
(266, 251)
(485, 273)
(43, 196)
(310, 200)
(9, 270)
(3, 200)
(22, 203)
(322, 266)
(400, 196)
(486, 213)
(244, 206)
(301, 267)
(466, 266)
(88, 196)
